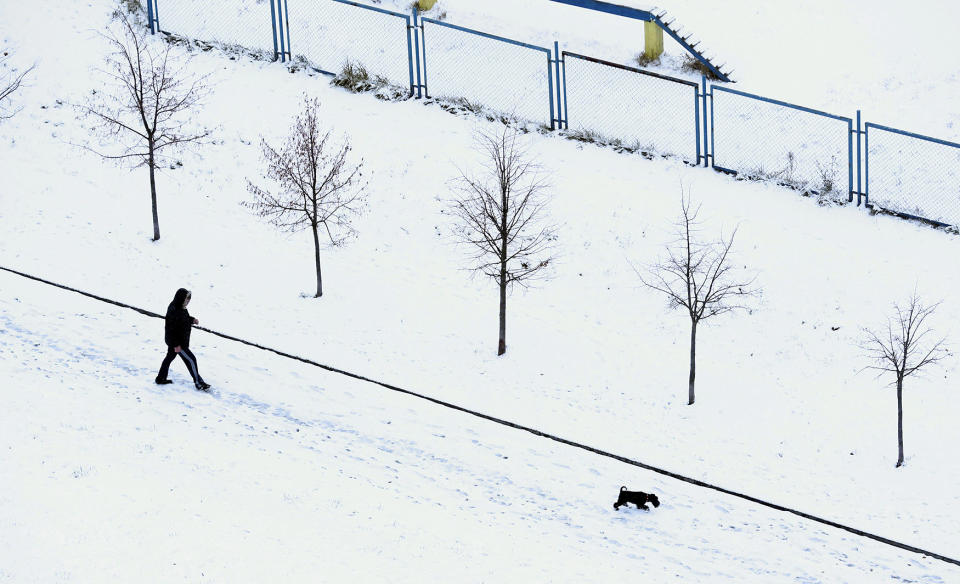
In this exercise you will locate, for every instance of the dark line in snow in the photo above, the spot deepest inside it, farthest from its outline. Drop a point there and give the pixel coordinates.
(533, 431)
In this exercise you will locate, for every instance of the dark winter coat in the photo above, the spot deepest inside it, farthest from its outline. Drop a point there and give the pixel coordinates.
(178, 321)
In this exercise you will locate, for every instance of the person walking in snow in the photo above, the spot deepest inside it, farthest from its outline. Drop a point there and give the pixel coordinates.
(177, 336)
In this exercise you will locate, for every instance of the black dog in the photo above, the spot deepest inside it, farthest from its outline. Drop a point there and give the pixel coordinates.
(637, 498)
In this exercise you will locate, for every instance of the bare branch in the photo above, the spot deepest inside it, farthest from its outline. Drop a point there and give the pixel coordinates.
(148, 98)
(146, 104)
(904, 348)
(317, 185)
(501, 209)
(10, 84)
(499, 213)
(698, 276)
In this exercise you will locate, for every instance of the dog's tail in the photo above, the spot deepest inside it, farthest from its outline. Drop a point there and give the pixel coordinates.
(623, 488)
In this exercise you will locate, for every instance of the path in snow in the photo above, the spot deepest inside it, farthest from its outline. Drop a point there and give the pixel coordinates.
(294, 473)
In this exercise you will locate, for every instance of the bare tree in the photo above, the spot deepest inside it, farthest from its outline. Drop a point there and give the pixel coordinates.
(10, 84)
(903, 349)
(319, 187)
(148, 114)
(500, 212)
(699, 277)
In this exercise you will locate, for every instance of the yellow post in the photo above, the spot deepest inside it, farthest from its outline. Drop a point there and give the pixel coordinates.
(653, 37)
(424, 5)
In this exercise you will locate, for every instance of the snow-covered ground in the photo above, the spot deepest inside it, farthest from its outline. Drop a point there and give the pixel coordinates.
(289, 473)
(784, 410)
(811, 151)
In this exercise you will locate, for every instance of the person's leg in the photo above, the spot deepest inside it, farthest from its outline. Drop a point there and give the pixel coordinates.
(191, 360)
(165, 366)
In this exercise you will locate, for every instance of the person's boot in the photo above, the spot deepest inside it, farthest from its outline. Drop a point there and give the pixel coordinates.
(203, 385)
(162, 381)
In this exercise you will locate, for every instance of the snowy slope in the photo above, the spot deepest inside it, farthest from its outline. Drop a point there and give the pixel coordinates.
(291, 473)
(784, 410)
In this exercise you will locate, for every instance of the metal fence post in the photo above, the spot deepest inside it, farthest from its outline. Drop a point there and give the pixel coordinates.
(707, 152)
(410, 34)
(423, 41)
(273, 23)
(417, 33)
(286, 25)
(712, 153)
(696, 116)
(553, 115)
(150, 16)
(566, 110)
(556, 53)
(866, 167)
(850, 161)
(283, 47)
(153, 16)
(859, 159)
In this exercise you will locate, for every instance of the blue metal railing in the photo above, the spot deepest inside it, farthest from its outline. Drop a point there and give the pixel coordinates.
(649, 110)
(283, 24)
(333, 32)
(558, 61)
(809, 145)
(909, 174)
(152, 16)
(231, 22)
(929, 189)
(470, 62)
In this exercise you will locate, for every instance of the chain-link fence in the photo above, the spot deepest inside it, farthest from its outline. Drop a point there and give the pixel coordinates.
(746, 134)
(332, 33)
(913, 175)
(793, 145)
(484, 70)
(641, 110)
(247, 23)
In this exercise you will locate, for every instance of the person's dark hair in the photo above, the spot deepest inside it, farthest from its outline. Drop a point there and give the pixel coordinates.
(180, 297)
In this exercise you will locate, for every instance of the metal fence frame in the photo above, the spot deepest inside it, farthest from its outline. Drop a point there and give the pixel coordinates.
(278, 16)
(152, 16)
(557, 91)
(850, 130)
(549, 55)
(407, 18)
(866, 163)
(695, 86)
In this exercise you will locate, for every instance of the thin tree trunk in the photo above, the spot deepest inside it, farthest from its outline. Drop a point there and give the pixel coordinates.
(504, 205)
(153, 195)
(316, 252)
(693, 358)
(502, 344)
(900, 420)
